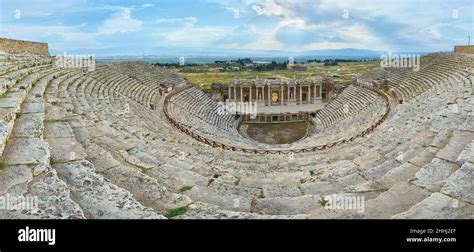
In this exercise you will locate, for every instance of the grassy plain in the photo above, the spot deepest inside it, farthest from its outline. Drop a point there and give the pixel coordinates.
(204, 76)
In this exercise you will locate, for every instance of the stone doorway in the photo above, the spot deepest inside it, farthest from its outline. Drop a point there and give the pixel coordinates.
(305, 97)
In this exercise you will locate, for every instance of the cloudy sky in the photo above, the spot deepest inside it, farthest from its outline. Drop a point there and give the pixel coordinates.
(296, 25)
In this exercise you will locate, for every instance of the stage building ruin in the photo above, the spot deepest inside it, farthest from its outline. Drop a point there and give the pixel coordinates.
(277, 100)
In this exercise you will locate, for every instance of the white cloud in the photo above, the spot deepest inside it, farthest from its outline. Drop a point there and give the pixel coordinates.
(357, 32)
(257, 9)
(147, 5)
(271, 7)
(192, 36)
(120, 22)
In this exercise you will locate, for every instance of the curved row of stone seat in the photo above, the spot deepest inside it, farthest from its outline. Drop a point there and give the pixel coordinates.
(380, 74)
(423, 165)
(148, 73)
(12, 62)
(408, 85)
(104, 200)
(26, 170)
(132, 159)
(133, 156)
(86, 91)
(196, 111)
(141, 92)
(13, 95)
(351, 101)
(347, 127)
(201, 130)
(136, 155)
(201, 105)
(11, 78)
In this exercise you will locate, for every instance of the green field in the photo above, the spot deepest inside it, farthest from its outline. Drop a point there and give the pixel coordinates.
(204, 76)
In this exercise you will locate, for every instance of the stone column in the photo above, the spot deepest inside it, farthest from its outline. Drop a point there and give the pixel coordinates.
(256, 92)
(250, 94)
(241, 94)
(301, 94)
(281, 94)
(229, 93)
(320, 91)
(269, 96)
(288, 93)
(315, 86)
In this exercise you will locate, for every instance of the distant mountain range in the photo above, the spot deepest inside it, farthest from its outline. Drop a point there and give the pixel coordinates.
(205, 55)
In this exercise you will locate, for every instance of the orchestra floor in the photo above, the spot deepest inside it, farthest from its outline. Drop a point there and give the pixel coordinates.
(277, 133)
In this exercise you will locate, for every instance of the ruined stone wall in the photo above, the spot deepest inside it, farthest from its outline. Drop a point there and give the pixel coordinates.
(21, 46)
(464, 49)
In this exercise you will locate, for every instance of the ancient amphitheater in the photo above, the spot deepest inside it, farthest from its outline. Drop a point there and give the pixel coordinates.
(108, 144)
